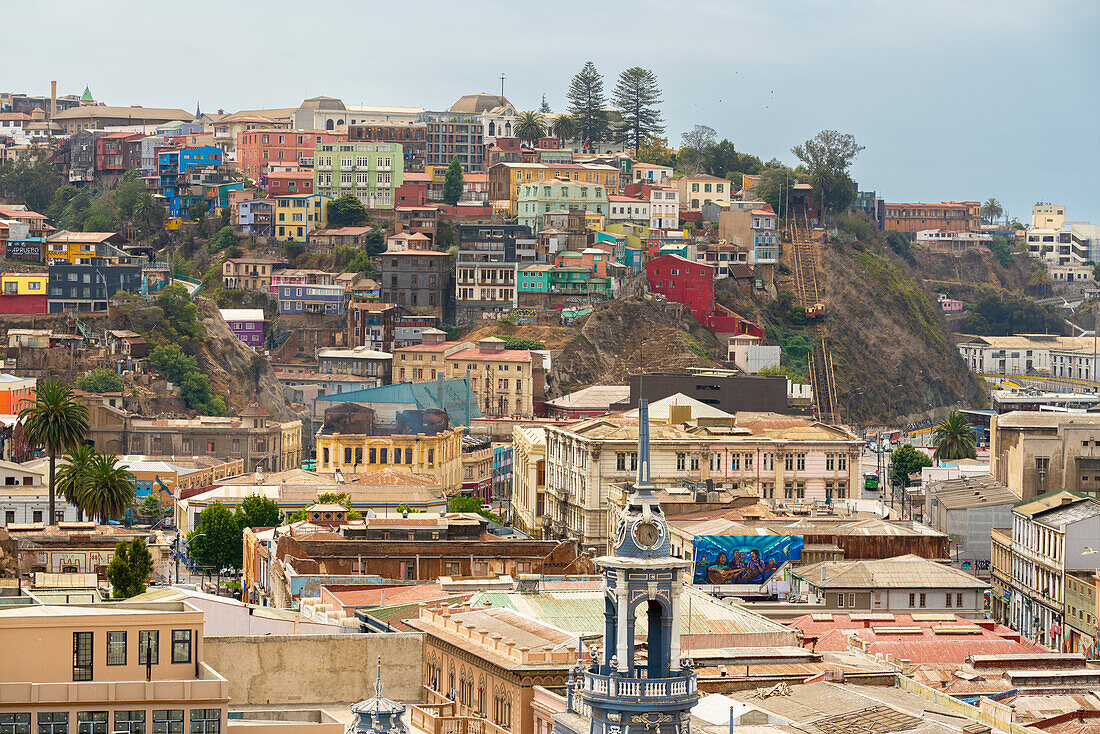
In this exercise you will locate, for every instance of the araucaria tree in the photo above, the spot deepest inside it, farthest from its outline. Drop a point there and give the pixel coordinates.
(586, 105)
(636, 96)
(452, 183)
(57, 422)
(827, 157)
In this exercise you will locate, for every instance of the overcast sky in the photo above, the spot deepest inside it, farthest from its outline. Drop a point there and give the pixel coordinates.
(953, 99)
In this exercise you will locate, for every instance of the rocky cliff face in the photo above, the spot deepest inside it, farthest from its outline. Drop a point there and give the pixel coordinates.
(889, 339)
(235, 371)
(630, 332)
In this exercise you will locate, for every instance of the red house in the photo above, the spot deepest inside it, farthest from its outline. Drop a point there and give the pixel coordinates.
(692, 283)
(682, 281)
(290, 182)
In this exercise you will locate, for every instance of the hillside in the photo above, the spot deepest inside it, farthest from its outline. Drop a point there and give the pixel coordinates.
(611, 343)
(889, 337)
(969, 275)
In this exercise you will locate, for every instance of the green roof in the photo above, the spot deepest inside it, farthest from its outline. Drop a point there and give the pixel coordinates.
(581, 612)
(87, 96)
(455, 397)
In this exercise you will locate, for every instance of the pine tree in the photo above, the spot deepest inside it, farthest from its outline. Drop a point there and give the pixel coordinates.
(129, 568)
(586, 105)
(544, 107)
(452, 183)
(636, 96)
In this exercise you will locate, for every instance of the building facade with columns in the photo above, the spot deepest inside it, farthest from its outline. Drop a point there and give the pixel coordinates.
(785, 460)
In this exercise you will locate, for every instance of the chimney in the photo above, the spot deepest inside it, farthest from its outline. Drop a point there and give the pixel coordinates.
(53, 99)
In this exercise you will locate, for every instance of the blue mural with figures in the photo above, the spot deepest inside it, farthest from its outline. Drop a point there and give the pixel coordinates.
(743, 559)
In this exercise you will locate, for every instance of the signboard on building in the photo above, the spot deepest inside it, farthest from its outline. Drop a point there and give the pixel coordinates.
(27, 251)
(743, 560)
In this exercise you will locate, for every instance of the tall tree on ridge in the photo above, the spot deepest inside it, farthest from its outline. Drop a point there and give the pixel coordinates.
(636, 96)
(586, 103)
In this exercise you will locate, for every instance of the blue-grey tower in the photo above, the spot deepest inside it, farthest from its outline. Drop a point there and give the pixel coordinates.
(641, 578)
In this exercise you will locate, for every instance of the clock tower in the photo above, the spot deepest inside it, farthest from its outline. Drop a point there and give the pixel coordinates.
(641, 581)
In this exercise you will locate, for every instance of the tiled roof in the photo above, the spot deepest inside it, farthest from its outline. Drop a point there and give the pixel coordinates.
(900, 572)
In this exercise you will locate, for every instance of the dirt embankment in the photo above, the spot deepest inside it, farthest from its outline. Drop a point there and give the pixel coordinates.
(892, 348)
(630, 333)
(967, 275)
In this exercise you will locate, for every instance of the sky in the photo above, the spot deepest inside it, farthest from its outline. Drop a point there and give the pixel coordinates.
(953, 99)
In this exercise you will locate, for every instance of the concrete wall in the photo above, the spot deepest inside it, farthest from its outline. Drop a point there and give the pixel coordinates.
(317, 668)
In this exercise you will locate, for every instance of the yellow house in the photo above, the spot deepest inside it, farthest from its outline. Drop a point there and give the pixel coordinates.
(24, 284)
(593, 221)
(506, 178)
(438, 456)
(78, 248)
(296, 215)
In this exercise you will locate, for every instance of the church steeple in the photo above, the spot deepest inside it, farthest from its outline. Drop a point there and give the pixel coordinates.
(641, 580)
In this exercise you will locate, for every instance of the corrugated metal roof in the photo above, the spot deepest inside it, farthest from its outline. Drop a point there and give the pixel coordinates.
(456, 396)
(581, 612)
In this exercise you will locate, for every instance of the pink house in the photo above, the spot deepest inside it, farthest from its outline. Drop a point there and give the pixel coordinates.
(950, 305)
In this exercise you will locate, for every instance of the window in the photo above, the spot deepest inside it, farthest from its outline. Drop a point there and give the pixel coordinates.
(788, 462)
(800, 462)
(15, 723)
(181, 646)
(148, 647)
(840, 600)
(948, 600)
(91, 722)
(620, 464)
(167, 721)
(695, 463)
(959, 600)
(53, 722)
(116, 648)
(681, 462)
(82, 656)
(912, 600)
(131, 722)
(923, 600)
(206, 721)
(830, 462)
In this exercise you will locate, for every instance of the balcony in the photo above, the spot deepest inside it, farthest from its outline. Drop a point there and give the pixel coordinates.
(209, 686)
(632, 690)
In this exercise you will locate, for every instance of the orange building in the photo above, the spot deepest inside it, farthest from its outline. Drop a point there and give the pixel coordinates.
(953, 216)
(16, 393)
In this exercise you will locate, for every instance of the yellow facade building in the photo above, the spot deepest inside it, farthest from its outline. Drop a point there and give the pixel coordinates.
(297, 215)
(438, 456)
(78, 248)
(24, 284)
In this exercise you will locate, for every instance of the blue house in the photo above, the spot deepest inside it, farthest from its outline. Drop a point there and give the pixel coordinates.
(173, 167)
(311, 298)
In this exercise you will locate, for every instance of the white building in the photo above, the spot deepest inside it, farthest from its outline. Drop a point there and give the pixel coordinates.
(780, 458)
(1022, 354)
(329, 113)
(750, 356)
(664, 207)
(1052, 535)
(627, 209)
(25, 496)
(945, 240)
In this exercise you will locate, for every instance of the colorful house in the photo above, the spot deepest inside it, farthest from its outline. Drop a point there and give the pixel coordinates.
(534, 279)
(297, 215)
(370, 171)
(16, 393)
(23, 293)
(536, 199)
(246, 323)
(173, 169)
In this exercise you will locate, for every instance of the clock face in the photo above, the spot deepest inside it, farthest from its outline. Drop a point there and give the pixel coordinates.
(647, 534)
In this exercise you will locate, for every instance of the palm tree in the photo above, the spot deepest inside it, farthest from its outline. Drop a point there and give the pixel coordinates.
(109, 488)
(529, 127)
(954, 438)
(992, 209)
(72, 478)
(565, 127)
(56, 422)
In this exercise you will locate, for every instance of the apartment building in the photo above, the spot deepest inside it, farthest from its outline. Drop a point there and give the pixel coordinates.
(535, 200)
(371, 324)
(952, 216)
(1052, 535)
(419, 281)
(426, 361)
(411, 135)
(486, 270)
(505, 179)
(258, 150)
(108, 667)
(370, 171)
(529, 480)
(502, 380)
(699, 189)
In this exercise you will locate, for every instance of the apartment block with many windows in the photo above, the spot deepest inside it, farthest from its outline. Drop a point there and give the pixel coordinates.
(108, 668)
(370, 171)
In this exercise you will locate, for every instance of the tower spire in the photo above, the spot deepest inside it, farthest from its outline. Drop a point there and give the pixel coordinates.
(643, 446)
(378, 680)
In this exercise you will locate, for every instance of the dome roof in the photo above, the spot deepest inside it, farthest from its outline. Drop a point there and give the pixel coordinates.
(477, 103)
(322, 103)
